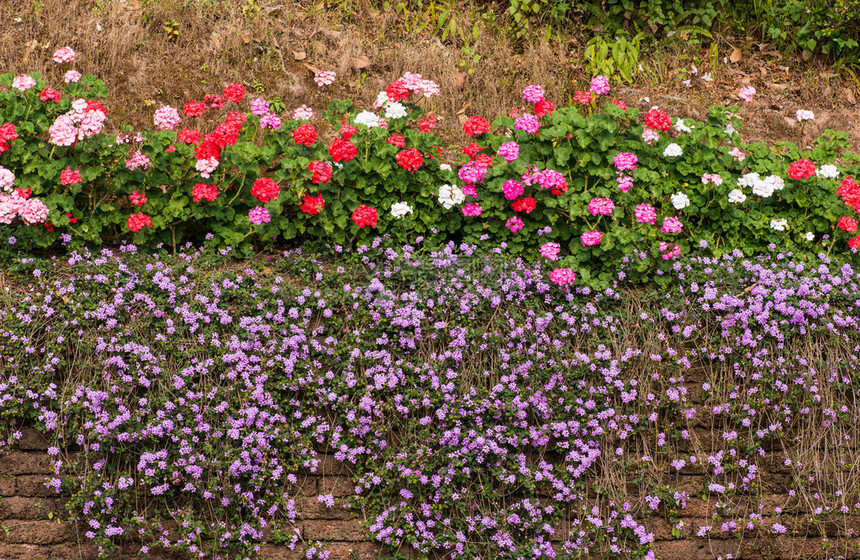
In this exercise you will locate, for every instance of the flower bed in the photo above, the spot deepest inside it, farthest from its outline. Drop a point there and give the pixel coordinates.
(590, 187)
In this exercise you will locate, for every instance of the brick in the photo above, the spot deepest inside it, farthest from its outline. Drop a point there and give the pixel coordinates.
(336, 486)
(29, 508)
(304, 486)
(697, 507)
(7, 486)
(329, 466)
(32, 440)
(699, 550)
(275, 552)
(353, 551)
(312, 508)
(24, 463)
(320, 530)
(36, 532)
(33, 485)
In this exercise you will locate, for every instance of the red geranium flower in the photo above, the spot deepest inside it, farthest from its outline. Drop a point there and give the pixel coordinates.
(848, 224)
(475, 126)
(583, 97)
(396, 140)
(621, 104)
(544, 107)
(265, 190)
(202, 191)
(69, 177)
(234, 92)
(410, 159)
(214, 101)
(427, 123)
(312, 204)
(484, 159)
(24, 193)
(137, 198)
(472, 150)
(50, 93)
(342, 150)
(72, 219)
(136, 222)
(525, 204)
(305, 134)
(854, 242)
(207, 149)
(194, 108)
(658, 120)
(801, 169)
(396, 91)
(346, 131)
(188, 136)
(320, 172)
(364, 216)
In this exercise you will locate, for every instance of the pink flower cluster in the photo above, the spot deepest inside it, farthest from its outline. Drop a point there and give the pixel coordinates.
(138, 160)
(590, 238)
(472, 172)
(23, 83)
(324, 78)
(303, 113)
(72, 76)
(533, 94)
(550, 179)
(625, 161)
(472, 209)
(528, 123)
(86, 119)
(646, 214)
(509, 151)
(550, 250)
(166, 118)
(259, 107)
(562, 276)
(64, 54)
(601, 207)
(649, 135)
(670, 250)
(259, 215)
(31, 210)
(712, 178)
(206, 166)
(512, 189)
(7, 179)
(600, 85)
(515, 224)
(671, 225)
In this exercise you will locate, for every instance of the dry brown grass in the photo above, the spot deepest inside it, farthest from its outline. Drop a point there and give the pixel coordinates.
(152, 52)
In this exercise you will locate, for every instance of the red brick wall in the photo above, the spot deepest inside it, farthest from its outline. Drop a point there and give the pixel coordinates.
(31, 526)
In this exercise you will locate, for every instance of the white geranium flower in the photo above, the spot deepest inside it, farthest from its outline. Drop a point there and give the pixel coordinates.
(450, 196)
(809, 236)
(775, 181)
(763, 189)
(804, 115)
(749, 180)
(395, 110)
(445, 167)
(778, 225)
(706, 77)
(828, 171)
(673, 150)
(729, 129)
(381, 100)
(680, 200)
(736, 196)
(367, 118)
(681, 127)
(400, 209)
